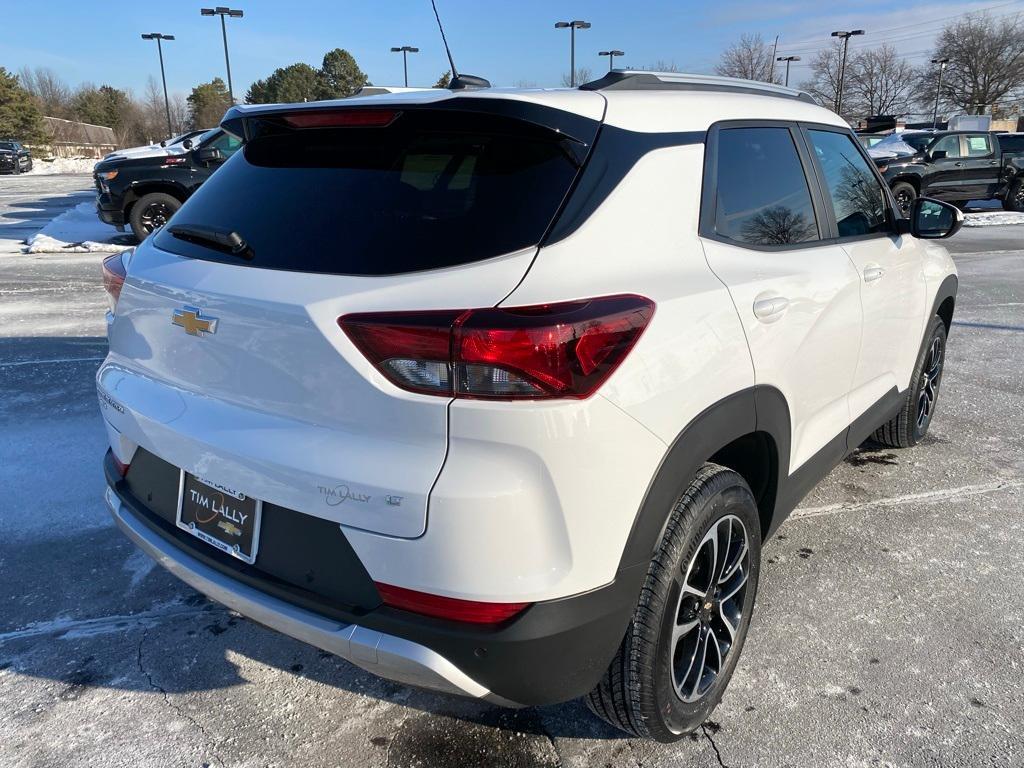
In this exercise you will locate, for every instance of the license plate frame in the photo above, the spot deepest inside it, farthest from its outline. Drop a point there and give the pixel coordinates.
(227, 516)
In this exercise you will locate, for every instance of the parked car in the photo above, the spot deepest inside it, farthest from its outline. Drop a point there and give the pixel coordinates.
(177, 144)
(144, 192)
(482, 391)
(955, 166)
(14, 157)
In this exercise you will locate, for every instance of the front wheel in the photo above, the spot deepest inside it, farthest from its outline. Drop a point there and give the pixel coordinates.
(911, 424)
(151, 212)
(905, 195)
(687, 632)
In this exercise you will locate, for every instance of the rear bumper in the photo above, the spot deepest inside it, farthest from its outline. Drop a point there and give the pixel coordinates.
(555, 651)
(386, 655)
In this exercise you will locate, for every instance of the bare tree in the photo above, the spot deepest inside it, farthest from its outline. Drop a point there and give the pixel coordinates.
(750, 58)
(824, 83)
(986, 63)
(583, 75)
(51, 93)
(878, 82)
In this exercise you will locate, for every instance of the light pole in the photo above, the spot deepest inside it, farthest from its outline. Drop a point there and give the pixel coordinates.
(938, 89)
(611, 57)
(572, 27)
(221, 11)
(405, 50)
(845, 36)
(788, 59)
(159, 49)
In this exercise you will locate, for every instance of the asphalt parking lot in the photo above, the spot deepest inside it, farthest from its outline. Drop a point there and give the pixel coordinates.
(889, 628)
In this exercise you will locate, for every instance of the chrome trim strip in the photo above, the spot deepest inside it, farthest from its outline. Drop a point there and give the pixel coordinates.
(391, 657)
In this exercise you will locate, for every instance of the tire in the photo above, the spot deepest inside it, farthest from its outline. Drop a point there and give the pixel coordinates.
(905, 195)
(1014, 200)
(911, 424)
(151, 212)
(641, 693)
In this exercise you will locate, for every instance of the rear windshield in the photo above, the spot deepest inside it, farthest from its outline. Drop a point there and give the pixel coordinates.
(435, 188)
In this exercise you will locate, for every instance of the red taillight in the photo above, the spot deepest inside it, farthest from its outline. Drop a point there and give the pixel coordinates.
(335, 118)
(452, 608)
(114, 273)
(120, 466)
(547, 351)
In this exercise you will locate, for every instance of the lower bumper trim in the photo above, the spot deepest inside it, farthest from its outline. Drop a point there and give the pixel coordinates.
(385, 655)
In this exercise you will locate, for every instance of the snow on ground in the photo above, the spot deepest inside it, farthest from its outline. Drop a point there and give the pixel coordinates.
(77, 230)
(993, 218)
(62, 165)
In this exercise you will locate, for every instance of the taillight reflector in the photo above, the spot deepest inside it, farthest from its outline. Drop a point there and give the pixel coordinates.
(356, 118)
(120, 466)
(114, 274)
(471, 611)
(548, 351)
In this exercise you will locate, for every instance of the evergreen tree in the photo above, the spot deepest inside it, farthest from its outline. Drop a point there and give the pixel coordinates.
(19, 113)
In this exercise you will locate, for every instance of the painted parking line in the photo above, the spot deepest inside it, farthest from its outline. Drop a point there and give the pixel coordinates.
(924, 497)
(989, 326)
(17, 363)
(69, 629)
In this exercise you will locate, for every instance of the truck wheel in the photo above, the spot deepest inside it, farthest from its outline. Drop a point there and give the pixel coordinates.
(907, 428)
(151, 212)
(905, 195)
(1014, 200)
(687, 631)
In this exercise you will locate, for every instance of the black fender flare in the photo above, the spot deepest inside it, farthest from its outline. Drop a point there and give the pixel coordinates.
(759, 408)
(947, 290)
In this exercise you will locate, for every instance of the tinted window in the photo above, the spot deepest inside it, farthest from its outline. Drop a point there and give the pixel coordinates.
(856, 195)
(435, 188)
(948, 144)
(978, 145)
(763, 198)
(6, 145)
(1012, 143)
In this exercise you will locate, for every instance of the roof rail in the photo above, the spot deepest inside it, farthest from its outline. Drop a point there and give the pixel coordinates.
(644, 80)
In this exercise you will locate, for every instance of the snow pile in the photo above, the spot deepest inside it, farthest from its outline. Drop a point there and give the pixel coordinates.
(78, 230)
(993, 218)
(62, 165)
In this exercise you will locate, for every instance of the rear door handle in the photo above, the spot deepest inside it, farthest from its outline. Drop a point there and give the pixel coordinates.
(958, 165)
(873, 273)
(771, 307)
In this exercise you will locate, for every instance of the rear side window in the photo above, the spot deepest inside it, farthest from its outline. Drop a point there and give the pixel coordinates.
(762, 193)
(855, 192)
(1014, 143)
(432, 189)
(978, 145)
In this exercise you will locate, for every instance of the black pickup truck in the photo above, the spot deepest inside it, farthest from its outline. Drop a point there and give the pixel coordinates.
(955, 166)
(143, 192)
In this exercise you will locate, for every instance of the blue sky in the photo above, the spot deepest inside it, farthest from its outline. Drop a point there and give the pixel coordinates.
(508, 42)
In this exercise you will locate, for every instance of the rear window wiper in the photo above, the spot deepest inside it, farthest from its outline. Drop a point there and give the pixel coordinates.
(219, 240)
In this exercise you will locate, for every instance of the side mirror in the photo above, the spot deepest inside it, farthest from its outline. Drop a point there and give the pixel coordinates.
(939, 154)
(210, 155)
(187, 144)
(935, 220)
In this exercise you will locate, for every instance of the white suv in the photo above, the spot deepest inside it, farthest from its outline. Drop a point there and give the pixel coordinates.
(499, 392)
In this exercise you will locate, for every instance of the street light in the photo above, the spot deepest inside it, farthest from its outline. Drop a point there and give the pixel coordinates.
(572, 26)
(938, 88)
(845, 36)
(405, 50)
(788, 59)
(611, 57)
(159, 49)
(221, 11)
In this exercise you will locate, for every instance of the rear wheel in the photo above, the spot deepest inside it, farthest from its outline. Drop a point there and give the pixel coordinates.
(151, 212)
(905, 195)
(1014, 200)
(688, 629)
(911, 424)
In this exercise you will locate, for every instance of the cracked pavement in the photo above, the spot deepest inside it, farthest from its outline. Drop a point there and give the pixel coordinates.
(889, 627)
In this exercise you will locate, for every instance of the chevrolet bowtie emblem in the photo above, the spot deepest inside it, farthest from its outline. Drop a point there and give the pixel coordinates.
(191, 319)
